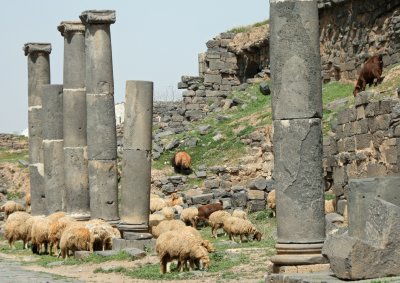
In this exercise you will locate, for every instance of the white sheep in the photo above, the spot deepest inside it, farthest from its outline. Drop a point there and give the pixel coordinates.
(271, 202)
(11, 207)
(40, 233)
(102, 233)
(216, 221)
(76, 238)
(157, 204)
(168, 213)
(190, 215)
(182, 247)
(236, 226)
(330, 206)
(239, 214)
(154, 220)
(15, 228)
(167, 225)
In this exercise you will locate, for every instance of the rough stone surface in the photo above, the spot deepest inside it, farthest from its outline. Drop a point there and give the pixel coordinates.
(362, 193)
(298, 171)
(376, 253)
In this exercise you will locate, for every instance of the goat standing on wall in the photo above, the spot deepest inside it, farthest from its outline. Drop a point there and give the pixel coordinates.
(371, 73)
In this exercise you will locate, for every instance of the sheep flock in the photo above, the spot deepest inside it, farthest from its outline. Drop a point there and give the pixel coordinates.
(172, 222)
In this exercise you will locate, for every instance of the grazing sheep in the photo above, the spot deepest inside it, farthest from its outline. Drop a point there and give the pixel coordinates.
(182, 247)
(56, 215)
(189, 215)
(239, 213)
(167, 225)
(174, 200)
(236, 226)
(56, 229)
(10, 207)
(28, 199)
(154, 220)
(178, 209)
(216, 221)
(168, 213)
(157, 204)
(76, 238)
(40, 233)
(206, 210)
(102, 233)
(16, 228)
(371, 70)
(330, 206)
(271, 202)
(181, 162)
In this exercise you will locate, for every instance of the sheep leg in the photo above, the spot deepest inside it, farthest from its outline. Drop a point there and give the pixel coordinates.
(163, 265)
(181, 261)
(169, 266)
(241, 238)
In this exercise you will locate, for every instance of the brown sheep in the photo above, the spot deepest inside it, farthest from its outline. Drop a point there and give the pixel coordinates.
(10, 207)
(174, 200)
(371, 70)
(206, 210)
(181, 162)
(56, 229)
(75, 238)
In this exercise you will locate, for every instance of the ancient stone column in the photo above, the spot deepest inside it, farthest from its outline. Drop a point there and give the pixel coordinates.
(53, 156)
(74, 124)
(38, 74)
(136, 166)
(297, 113)
(101, 128)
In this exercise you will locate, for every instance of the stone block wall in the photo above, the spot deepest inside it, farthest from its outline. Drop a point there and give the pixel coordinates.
(352, 30)
(366, 143)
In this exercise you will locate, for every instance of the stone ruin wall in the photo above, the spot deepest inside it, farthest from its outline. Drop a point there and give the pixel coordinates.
(351, 30)
(366, 144)
(348, 35)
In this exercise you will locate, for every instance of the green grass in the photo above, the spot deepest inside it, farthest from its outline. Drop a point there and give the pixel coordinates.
(222, 262)
(230, 148)
(247, 28)
(12, 155)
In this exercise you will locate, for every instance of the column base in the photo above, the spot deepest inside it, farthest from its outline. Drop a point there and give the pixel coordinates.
(134, 231)
(80, 216)
(297, 255)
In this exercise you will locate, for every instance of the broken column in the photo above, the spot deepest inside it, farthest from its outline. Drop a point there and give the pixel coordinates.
(74, 124)
(101, 128)
(38, 74)
(136, 166)
(297, 113)
(53, 156)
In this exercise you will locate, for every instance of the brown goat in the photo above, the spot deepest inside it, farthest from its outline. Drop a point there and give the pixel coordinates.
(206, 210)
(182, 162)
(371, 70)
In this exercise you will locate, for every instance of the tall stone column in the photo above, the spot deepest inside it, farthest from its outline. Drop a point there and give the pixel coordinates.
(297, 113)
(53, 157)
(74, 124)
(101, 128)
(136, 166)
(38, 74)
